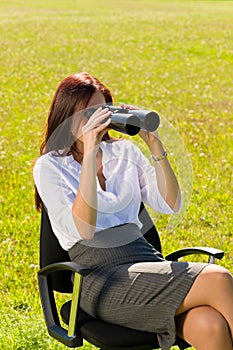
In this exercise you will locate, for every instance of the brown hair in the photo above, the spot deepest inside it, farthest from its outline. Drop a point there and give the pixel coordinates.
(71, 96)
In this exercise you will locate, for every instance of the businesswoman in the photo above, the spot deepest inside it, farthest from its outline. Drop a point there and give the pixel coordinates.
(92, 186)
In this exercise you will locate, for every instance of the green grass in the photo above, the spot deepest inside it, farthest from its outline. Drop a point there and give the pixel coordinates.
(175, 57)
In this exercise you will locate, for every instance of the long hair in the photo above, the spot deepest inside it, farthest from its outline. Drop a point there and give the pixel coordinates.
(71, 96)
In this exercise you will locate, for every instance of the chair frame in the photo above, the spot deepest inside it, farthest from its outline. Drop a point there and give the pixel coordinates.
(72, 337)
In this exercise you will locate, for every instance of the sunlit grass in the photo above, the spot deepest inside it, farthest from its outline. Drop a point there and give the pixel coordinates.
(175, 57)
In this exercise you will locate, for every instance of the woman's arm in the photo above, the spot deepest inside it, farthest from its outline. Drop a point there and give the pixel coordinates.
(84, 209)
(167, 183)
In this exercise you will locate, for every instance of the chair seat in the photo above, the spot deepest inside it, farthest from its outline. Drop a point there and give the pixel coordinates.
(108, 336)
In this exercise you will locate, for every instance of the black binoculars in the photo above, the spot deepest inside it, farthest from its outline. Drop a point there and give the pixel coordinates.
(130, 121)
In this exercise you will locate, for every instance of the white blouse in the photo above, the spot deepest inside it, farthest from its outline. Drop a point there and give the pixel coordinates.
(130, 179)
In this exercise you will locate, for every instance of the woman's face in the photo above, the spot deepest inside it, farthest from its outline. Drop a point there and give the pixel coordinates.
(96, 99)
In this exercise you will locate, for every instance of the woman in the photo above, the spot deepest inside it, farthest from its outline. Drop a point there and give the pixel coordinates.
(92, 187)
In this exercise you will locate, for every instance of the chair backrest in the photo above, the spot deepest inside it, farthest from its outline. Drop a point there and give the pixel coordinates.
(148, 229)
(51, 251)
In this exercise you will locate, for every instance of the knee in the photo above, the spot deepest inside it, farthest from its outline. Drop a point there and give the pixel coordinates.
(224, 278)
(218, 274)
(213, 324)
(204, 328)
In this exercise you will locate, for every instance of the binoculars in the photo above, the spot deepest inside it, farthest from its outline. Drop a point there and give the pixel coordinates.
(130, 121)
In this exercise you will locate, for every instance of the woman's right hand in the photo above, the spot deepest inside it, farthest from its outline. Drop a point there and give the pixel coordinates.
(95, 128)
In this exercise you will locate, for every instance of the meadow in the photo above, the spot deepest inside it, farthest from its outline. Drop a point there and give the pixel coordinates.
(174, 57)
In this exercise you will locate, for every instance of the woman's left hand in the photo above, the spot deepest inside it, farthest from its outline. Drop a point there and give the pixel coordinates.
(152, 140)
(149, 137)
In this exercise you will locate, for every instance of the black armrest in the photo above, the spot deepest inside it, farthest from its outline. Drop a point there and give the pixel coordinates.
(213, 253)
(68, 266)
(48, 301)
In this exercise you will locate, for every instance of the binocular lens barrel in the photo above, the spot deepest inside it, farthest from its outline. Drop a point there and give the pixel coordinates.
(149, 120)
(130, 121)
(125, 123)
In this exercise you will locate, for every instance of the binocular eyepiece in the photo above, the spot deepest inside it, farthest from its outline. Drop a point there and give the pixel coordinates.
(130, 121)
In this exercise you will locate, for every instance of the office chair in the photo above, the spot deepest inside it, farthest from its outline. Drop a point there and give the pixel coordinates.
(58, 273)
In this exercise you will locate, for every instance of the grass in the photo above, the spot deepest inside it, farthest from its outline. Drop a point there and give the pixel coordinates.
(175, 57)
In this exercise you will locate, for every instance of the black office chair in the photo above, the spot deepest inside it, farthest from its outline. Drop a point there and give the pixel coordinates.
(56, 275)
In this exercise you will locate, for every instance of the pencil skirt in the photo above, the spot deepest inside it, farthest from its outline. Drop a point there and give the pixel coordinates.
(132, 285)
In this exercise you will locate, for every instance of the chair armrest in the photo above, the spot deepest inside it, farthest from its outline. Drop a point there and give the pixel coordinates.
(213, 253)
(68, 266)
(49, 304)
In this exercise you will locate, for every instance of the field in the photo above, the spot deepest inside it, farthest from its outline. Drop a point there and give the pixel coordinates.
(174, 57)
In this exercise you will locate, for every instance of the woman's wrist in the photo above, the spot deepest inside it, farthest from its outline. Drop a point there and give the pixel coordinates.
(90, 150)
(161, 157)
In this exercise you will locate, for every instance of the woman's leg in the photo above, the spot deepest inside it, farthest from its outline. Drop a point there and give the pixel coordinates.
(204, 328)
(213, 287)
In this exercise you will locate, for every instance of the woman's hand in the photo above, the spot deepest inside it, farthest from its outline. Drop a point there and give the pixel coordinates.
(125, 106)
(149, 137)
(152, 140)
(95, 128)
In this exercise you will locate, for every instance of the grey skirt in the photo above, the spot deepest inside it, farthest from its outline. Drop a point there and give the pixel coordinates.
(131, 284)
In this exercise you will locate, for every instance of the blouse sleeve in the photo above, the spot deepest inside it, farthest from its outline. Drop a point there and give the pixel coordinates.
(148, 184)
(57, 197)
